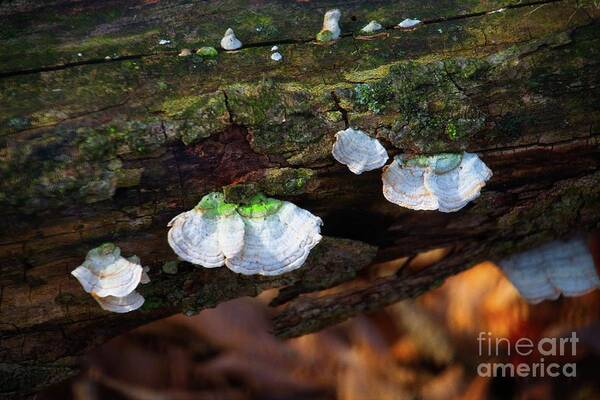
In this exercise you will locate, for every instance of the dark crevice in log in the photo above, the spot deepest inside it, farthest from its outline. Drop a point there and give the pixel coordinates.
(341, 109)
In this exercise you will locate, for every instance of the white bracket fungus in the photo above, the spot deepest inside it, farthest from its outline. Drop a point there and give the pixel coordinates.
(229, 41)
(209, 233)
(124, 304)
(266, 237)
(357, 150)
(543, 273)
(112, 279)
(409, 23)
(278, 237)
(446, 182)
(331, 26)
(372, 27)
(500, 10)
(275, 54)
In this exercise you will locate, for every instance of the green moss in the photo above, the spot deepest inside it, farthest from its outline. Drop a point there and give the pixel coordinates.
(334, 116)
(102, 143)
(286, 181)
(451, 131)
(96, 144)
(369, 74)
(240, 192)
(261, 25)
(170, 267)
(129, 177)
(325, 36)
(273, 182)
(290, 136)
(557, 213)
(207, 52)
(214, 205)
(211, 200)
(427, 108)
(109, 45)
(288, 120)
(66, 165)
(19, 123)
(441, 163)
(255, 104)
(259, 207)
(463, 70)
(371, 97)
(104, 250)
(142, 137)
(197, 117)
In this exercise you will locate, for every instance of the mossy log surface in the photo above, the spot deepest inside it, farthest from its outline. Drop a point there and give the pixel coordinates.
(106, 134)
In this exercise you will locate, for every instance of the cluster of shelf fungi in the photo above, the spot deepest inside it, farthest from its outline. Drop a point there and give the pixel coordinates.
(271, 237)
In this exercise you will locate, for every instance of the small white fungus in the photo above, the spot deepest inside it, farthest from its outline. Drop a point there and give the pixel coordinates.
(409, 23)
(372, 27)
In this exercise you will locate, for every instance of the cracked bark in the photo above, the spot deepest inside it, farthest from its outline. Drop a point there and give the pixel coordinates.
(119, 171)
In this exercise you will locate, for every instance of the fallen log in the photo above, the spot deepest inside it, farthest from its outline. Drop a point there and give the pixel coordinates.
(106, 134)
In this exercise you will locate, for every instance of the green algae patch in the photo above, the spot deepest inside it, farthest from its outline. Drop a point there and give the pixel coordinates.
(557, 213)
(197, 117)
(67, 166)
(213, 205)
(372, 97)
(368, 75)
(273, 182)
(253, 105)
(441, 163)
(301, 139)
(288, 120)
(207, 52)
(104, 249)
(260, 206)
(240, 192)
(422, 105)
(325, 36)
(286, 181)
(261, 25)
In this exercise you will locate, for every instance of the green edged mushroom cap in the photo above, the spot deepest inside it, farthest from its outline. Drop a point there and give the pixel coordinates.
(440, 163)
(104, 250)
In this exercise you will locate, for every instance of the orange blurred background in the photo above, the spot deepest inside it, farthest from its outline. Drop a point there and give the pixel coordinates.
(417, 349)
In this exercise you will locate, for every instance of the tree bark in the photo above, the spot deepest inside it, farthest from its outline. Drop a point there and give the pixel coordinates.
(106, 134)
